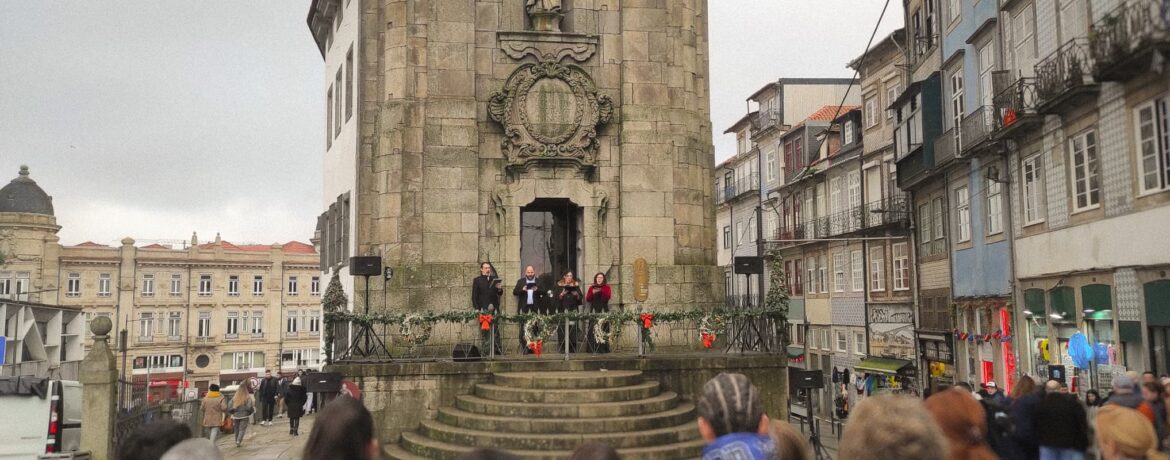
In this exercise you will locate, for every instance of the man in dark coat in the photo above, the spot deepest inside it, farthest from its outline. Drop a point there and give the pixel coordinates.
(529, 297)
(1060, 424)
(485, 297)
(280, 402)
(269, 389)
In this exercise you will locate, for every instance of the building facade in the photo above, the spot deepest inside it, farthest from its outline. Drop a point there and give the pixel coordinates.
(193, 313)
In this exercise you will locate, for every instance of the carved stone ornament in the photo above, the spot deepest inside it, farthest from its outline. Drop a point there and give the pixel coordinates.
(550, 114)
(548, 47)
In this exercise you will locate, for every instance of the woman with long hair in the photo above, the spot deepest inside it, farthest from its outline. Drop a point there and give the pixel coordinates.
(963, 423)
(242, 408)
(1126, 434)
(567, 301)
(344, 430)
(597, 296)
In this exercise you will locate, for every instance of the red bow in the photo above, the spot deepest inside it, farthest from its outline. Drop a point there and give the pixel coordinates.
(647, 320)
(536, 347)
(485, 322)
(708, 340)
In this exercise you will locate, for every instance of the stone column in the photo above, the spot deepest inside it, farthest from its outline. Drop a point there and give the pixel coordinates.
(99, 377)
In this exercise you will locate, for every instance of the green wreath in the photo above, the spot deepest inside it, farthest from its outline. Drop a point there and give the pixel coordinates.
(536, 330)
(408, 332)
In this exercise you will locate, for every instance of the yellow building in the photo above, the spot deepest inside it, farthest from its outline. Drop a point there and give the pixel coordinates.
(201, 313)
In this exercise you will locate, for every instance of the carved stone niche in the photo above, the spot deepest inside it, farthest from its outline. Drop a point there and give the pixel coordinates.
(550, 113)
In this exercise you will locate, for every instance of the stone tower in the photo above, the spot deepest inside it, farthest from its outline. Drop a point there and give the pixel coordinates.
(565, 134)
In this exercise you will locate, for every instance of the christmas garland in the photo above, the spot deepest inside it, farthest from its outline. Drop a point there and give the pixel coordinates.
(407, 329)
(709, 329)
(600, 335)
(536, 332)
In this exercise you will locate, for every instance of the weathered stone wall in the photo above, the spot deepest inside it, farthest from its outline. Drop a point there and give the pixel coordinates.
(401, 395)
(435, 195)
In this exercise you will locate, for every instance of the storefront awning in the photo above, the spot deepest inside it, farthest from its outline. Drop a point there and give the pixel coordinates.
(795, 351)
(882, 365)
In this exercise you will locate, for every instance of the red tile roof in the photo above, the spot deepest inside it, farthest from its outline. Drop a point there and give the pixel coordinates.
(155, 246)
(91, 244)
(296, 247)
(826, 113)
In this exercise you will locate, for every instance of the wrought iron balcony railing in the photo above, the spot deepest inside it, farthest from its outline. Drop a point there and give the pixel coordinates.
(1015, 105)
(1064, 75)
(743, 185)
(765, 119)
(1123, 40)
(976, 127)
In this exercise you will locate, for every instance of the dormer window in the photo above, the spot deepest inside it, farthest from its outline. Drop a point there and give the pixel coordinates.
(848, 132)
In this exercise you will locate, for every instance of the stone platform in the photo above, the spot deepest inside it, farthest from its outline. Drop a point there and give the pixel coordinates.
(544, 407)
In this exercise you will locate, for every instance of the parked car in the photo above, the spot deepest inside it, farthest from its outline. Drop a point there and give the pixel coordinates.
(41, 418)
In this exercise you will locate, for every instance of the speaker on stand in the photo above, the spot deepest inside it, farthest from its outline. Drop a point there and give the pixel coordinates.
(366, 343)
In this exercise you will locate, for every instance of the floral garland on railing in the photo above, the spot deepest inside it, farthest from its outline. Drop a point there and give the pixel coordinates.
(709, 329)
(599, 333)
(536, 332)
(716, 320)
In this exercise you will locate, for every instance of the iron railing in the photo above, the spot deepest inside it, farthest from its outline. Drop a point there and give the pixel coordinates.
(913, 166)
(976, 127)
(1014, 104)
(741, 186)
(1125, 33)
(131, 418)
(1063, 72)
(765, 119)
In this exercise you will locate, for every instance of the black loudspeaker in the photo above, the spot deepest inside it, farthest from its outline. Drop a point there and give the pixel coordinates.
(322, 382)
(749, 265)
(1057, 373)
(802, 379)
(464, 352)
(365, 266)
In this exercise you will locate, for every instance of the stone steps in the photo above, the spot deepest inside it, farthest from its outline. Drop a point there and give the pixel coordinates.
(683, 413)
(546, 415)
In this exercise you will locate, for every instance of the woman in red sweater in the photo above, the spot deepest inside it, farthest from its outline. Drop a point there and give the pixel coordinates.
(597, 297)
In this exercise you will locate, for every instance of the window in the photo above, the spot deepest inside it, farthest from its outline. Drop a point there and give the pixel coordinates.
(308, 357)
(1153, 133)
(892, 92)
(73, 285)
(337, 104)
(292, 285)
(1023, 42)
(145, 325)
(1031, 190)
(727, 237)
(842, 342)
(963, 217)
(234, 285)
(994, 207)
(751, 230)
(953, 11)
(798, 284)
(854, 191)
(836, 198)
(877, 269)
(871, 112)
(233, 324)
(1086, 190)
(315, 285)
(771, 165)
(176, 284)
(938, 218)
(315, 322)
(739, 229)
(21, 291)
(925, 227)
(957, 107)
(839, 272)
(859, 343)
(258, 285)
(348, 83)
(1073, 23)
(847, 132)
(986, 66)
(329, 119)
(822, 274)
(901, 267)
(291, 327)
(205, 284)
(857, 271)
(811, 263)
(104, 284)
(242, 360)
(6, 285)
(257, 329)
(204, 328)
(148, 285)
(174, 325)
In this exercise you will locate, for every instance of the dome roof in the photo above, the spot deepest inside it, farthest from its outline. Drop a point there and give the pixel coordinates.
(24, 195)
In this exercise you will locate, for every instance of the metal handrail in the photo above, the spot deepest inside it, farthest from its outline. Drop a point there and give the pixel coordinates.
(1067, 68)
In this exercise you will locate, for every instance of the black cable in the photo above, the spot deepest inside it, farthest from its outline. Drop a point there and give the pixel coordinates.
(860, 64)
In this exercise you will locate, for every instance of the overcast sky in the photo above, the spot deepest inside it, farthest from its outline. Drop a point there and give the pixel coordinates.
(153, 119)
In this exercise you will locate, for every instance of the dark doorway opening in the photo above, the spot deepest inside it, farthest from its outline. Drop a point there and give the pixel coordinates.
(550, 238)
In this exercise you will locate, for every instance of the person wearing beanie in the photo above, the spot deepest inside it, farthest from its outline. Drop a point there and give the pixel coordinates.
(295, 399)
(214, 406)
(732, 420)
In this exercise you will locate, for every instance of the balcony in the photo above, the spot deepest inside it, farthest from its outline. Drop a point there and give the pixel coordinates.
(976, 129)
(944, 148)
(1124, 41)
(1015, 106)
(913, 167)
(765, 120)
(204, 341)
(784, 236)
(1064, 78)
(146, 339)
(174, 338)
(741, 186)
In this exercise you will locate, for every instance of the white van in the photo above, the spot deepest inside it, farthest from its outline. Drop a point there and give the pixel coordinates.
(41, 418)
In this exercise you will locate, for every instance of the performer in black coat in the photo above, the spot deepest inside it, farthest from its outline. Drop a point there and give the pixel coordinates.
(568, 299)
(485, 297)
(529, 296)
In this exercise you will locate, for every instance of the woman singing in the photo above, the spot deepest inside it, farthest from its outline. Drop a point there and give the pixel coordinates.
(567, 301)
(598, 299)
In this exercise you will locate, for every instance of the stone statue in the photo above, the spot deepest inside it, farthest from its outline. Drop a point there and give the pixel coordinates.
(545, 14)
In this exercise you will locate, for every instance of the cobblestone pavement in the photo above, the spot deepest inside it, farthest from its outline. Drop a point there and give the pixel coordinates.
(268, 442)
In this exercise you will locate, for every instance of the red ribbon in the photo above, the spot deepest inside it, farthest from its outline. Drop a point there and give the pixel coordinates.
(708, 340)
(647, 320)
(536, 347)
(485, 322)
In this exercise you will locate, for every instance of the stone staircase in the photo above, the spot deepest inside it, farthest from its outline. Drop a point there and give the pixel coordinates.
(545, 415)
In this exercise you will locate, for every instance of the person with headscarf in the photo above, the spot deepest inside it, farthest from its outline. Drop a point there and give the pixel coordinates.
(732, 420)
(296, 397)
